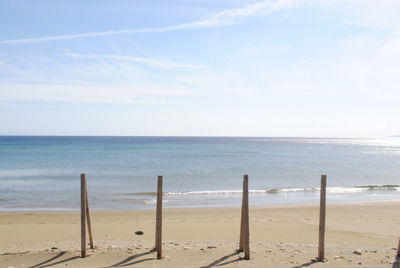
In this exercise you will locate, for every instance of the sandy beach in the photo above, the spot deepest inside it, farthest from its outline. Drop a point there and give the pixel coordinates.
(280, 236)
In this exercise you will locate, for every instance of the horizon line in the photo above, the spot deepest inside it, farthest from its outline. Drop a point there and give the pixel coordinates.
(198, 136)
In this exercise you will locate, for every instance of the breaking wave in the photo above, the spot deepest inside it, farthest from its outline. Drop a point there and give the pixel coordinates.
(338, 189)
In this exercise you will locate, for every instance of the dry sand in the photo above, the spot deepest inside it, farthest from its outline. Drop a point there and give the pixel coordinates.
(280, 236)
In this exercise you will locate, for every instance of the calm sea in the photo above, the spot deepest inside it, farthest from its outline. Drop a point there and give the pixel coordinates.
(44, 172)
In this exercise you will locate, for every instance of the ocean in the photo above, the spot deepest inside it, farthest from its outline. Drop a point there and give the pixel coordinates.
(43, 173)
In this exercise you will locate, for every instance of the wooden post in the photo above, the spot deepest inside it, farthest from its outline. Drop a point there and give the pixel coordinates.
(89, 224)
(244, 220)
(322, 216)
(83, 216)
(158, 246)
(242, 223)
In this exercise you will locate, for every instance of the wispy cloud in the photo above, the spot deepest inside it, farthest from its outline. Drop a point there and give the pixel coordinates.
(91, 93)
(159, 63)
(222, 18)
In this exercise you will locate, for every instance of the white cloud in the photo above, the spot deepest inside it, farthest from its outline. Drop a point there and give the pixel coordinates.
(222, 18)
(159, 63)
(149, 94)
(382, 14)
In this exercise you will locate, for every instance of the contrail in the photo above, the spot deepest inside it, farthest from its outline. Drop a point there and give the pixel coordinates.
(222, 18)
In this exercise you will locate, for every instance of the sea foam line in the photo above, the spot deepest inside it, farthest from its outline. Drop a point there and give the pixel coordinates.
(337, 189)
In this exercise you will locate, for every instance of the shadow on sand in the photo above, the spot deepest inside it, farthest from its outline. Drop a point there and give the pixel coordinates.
(49, 262)
(396, 263)
(306, 264)
(222, 261)
(131, 260)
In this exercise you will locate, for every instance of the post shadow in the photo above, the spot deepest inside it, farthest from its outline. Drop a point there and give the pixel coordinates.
(129, 261)
(220, 261)
(47, 263)
(305, 264)
(396, 263)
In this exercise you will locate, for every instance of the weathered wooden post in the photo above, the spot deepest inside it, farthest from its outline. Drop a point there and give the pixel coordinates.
(247, 227)
(158, 246)
(242, 224)
(322, 216)
(83, 216)
(89, 224)
(244, 220)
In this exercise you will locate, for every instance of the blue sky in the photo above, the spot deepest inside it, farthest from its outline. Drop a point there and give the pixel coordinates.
(215, 68)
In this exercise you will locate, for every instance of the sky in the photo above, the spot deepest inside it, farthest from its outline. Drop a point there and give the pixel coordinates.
(309, 68)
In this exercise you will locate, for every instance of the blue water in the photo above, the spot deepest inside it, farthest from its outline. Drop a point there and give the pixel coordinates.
(44, 172)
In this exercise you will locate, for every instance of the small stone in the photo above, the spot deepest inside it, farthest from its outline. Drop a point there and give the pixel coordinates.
(54, 248)
(359, 263)
(139, 233)
(113, 246)
(211, 247)
(186, 248)
(357, 252)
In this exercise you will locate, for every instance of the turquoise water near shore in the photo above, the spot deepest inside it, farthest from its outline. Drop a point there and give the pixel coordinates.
(43, 172)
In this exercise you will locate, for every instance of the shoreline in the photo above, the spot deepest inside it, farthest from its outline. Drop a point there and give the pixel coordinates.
(217, 207)
(198, 199)
(280, 236)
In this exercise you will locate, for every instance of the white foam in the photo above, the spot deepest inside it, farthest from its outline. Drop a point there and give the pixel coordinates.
(337, 189)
